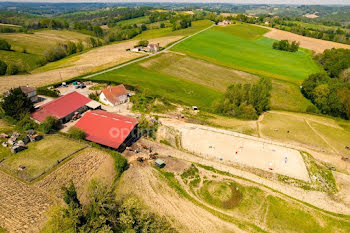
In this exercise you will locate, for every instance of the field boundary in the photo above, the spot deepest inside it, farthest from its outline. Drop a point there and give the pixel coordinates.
(24, 177)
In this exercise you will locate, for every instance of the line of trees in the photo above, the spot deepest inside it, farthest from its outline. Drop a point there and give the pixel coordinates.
(330, 90)
(284, 45)
(245, 101)
(103, 213)
(62, 50)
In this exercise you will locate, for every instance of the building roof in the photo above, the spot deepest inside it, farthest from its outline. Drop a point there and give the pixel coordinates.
(61, 107)
(112, 93)
(26, 89)
(106, 128)
(93, 104)
(153, 45)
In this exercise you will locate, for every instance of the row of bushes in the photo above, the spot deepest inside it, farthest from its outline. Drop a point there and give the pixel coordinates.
(62, 50)
(284, 45)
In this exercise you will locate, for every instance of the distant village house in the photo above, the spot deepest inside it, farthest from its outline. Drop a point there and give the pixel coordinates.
(114, 95)
(153, 48)
(225, 22)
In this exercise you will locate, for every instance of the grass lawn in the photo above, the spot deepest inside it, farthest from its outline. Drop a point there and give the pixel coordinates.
(338, 138)
(237, 46)
(24, 61)
(139, 20)
(162, 32)
(39, 41)
(42, 155)
(276, 126)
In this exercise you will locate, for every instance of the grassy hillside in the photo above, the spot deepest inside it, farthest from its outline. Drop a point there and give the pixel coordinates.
(237, 46)
(162, 85)
(161, 32)
(39, 41)
(23, 61)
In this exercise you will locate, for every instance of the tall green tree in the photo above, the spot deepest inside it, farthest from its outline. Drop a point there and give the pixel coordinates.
(16, 104)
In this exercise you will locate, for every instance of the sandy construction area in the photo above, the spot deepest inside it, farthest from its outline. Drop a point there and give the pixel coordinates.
(305, 42)
(93, 60)
(228, 146)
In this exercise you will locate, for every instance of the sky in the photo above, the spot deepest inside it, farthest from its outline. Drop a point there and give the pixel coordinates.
(295, 2)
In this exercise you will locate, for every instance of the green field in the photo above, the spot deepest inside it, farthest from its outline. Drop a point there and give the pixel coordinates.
(40, 155)
(23, 61)
(39, 41)
(162, 85)
(139, 20)
(162, 32)
(237, 47)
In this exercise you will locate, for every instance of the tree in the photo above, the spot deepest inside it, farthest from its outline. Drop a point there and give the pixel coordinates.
(11, 69)
(162, 25)
(4, 45)
(142, 43)
(70, 196)
(98, 31)
(76, 133)
(3, 67)
(143, 27)
(344, 97)
(50, 125)
(16, 104)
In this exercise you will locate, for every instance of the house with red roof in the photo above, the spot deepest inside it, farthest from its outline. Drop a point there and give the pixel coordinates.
(109, 129)
(114, 95)
(63, 108)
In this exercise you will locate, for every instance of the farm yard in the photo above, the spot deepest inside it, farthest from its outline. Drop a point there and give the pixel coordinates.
(175, 121)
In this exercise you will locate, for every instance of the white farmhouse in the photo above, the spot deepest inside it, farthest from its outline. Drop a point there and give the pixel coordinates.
(114, 95)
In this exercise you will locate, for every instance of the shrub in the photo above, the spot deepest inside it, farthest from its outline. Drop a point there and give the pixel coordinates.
(76, 133)
(26, 123)
(142, 43)
(4, 45)
(47, 92)
(94, 96)
(12, 69)
(311, 109)
(3, 67)
(50, 125)
(286, 46)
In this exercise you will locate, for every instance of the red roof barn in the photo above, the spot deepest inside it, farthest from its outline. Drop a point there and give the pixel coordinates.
(62, 107)
(108, 129)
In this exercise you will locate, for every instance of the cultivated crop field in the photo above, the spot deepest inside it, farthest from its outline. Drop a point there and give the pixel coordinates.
(243, 47)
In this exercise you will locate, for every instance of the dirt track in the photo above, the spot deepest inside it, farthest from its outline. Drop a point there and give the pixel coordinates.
(95, 59)
(155, 193)
(305, 42)
(319, 199)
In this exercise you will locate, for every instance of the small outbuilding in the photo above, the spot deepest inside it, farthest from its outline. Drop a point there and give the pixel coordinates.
(17, 148)
(159, 163)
